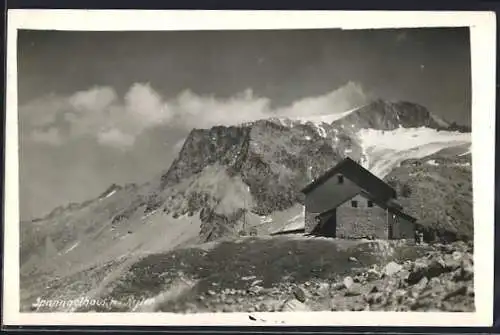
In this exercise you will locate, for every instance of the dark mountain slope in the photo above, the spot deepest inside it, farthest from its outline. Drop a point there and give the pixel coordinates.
(437, 190)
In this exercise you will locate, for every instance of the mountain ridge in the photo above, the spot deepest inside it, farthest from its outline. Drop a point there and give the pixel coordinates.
(382, 115)
(232, 181)
(262, 165)
(273, 158)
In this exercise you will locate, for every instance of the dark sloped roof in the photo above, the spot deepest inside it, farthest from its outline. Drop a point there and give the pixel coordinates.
(359, 175)
(392, 203)
(403, 215)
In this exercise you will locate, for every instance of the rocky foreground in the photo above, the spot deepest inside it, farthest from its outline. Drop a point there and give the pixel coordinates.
(442, 280)
(281, 274)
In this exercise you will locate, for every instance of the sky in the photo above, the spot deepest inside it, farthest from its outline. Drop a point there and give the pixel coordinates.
(97, 108)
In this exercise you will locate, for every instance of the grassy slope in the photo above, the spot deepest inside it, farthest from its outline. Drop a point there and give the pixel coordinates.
(234, 265)
(440, 196)
(84, 264)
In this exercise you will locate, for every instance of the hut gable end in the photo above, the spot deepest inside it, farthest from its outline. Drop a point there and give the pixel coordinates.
(349, 169)
(350, 202)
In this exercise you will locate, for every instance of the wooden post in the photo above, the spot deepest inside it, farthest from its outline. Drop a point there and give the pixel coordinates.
(389, 225)
(387, 221)
(244, 213)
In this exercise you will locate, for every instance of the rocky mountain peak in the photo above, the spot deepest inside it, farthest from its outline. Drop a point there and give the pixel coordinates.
(282, 140)
(388, 115)
(273, 159)
(205, 147)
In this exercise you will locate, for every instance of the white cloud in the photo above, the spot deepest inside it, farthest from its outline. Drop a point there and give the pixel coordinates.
(96, 99)
(338, 101)
(115, 138)
(145, 106)
(42, 111)
(90, 110)
(99, 113)
(194, 111)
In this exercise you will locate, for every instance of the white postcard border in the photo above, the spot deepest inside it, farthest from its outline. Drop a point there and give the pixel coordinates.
(483, 61)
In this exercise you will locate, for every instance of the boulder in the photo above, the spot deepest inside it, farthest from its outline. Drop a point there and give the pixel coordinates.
(436, 268)
(468, 268)
(348, 282)
(433, 282)
(263, 307)
(452, 262)
(323, 289)
(353, 290)
(421, 284)
(338, 286)
(294, 305)
(375, 298)
(461, 290)
(372, 274)
(300, 294)
(457, 255)
(255, 282)
(255, 289)
(392, 268)
(465, 271)
(419, 270)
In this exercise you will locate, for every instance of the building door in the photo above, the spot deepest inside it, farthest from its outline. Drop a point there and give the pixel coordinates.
(328, 224)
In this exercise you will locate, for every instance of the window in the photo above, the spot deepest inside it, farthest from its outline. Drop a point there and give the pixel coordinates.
(340, 179)
(370, 203)
(354, 203)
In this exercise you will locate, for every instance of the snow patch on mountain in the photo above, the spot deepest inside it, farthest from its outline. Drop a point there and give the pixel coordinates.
(384, 150)
(110, 194)
(110, 191)
(72, 247)
(320, 119)
(408, 138)
(317, 121)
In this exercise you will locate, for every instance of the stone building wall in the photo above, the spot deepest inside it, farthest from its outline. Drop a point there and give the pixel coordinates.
(361, 221)
(326, 197)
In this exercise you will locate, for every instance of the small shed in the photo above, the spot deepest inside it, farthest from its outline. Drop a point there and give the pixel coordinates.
(348, 201)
